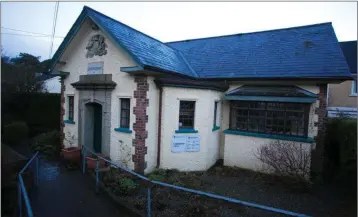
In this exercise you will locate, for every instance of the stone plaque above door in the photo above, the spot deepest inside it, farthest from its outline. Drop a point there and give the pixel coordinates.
(95, 68)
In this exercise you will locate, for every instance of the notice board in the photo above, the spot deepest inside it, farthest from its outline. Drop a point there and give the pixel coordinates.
(181, 143)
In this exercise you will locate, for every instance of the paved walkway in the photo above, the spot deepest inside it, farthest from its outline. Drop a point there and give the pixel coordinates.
(71, 195)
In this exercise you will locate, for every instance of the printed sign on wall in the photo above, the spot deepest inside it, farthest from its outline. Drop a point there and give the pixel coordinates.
(95, 68)
(186, 143)
(178, 144)
(193, 143)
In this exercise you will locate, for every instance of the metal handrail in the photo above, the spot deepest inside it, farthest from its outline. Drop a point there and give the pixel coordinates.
(215, 196)
(22, 189)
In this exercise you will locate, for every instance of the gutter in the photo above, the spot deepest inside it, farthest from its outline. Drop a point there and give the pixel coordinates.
(159, 125)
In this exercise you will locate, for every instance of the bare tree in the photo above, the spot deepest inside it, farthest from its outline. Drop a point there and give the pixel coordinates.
(286, 158)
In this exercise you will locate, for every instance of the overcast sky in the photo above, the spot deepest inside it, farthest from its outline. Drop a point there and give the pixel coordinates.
(169, 21)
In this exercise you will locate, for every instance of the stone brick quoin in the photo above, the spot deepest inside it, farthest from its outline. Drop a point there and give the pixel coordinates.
(317, 155)
(139, 126)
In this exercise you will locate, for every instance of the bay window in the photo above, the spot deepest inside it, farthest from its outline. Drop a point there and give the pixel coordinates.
(282, 118)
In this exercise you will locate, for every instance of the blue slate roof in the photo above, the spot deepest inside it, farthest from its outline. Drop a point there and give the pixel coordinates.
(144, 49)
(349, 49)
(301, 52)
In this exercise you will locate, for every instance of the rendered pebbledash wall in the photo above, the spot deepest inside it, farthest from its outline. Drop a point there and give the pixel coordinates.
(204, 114)
(239, 150)
(77, 63)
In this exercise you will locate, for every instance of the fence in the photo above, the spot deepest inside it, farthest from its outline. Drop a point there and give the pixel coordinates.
(21, 186)
(210, 195)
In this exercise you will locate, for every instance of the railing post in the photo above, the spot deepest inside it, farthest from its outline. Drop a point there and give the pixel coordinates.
(149, 203)
(83, 160)
(37, 171)
(97, 174)
(20, 200)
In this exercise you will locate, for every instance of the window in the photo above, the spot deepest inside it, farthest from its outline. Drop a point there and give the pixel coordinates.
(125, 113)
(186, 114)
(270, 117)
(70, 107)
(215, 113)
(354, 88)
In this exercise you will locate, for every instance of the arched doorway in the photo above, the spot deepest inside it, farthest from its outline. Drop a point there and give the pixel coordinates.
(93, 126)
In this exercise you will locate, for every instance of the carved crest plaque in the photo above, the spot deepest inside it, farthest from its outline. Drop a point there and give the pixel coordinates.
(96, 46)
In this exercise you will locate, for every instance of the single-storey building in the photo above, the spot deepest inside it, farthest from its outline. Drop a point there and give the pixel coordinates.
(184, 105)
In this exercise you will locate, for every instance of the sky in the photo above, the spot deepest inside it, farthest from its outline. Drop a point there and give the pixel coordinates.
(170, 21)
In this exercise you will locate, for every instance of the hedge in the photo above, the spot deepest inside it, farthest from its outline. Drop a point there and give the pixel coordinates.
(40, 111)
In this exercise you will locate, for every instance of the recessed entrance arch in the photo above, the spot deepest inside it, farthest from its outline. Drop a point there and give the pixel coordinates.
(94, 111)
(93, 126)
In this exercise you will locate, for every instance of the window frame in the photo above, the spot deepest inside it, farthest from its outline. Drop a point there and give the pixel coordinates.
(127, 124)
(193, 114)
(216, 108)
(70, 109)
(354, 86)
(305, 119)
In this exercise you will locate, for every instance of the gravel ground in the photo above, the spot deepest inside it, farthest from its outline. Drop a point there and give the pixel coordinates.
(328, 201)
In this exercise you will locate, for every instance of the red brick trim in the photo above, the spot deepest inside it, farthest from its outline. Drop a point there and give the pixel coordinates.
(139, 126)
(62, 113)
(318, 153)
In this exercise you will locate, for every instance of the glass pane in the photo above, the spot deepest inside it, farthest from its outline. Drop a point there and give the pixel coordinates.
(125, 103)
(269, 117)
(186, 114)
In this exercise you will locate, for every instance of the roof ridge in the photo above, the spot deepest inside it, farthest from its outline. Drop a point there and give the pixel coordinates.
(347, 41)
(247, 33)
(129, 27)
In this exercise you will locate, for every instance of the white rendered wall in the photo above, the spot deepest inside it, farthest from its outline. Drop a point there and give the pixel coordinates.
(241, 151)
(204, 114)
(77, 63)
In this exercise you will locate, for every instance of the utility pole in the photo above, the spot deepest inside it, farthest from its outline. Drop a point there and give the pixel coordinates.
(54, 27)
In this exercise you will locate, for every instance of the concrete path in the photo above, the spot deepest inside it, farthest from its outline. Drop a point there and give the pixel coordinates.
(71, 195)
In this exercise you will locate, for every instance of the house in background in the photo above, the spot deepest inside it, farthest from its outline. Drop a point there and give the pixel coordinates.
(184, 105)
(51, 83)
(342, 98)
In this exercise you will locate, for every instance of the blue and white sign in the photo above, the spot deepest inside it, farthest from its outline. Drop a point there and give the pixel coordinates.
(179, 143)
(95, 68)
(193, 143)
(186, 143)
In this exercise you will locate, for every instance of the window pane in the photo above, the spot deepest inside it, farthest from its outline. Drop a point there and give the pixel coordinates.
(70, 107)
(186, 114)
(269, 117)
(125, 113)
(215, 111)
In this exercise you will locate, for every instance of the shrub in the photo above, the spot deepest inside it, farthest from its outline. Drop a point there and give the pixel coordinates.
(15, 133)
(161, 172)
(157, 177)
(47, 143)
(125, 186)
(285, 158)
(111, 176)
(341, 146)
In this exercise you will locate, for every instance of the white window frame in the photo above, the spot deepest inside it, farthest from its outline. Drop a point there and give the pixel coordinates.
(354, 84)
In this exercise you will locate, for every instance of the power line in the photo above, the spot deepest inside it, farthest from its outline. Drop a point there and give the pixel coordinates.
(5, 33)
(25, 31)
